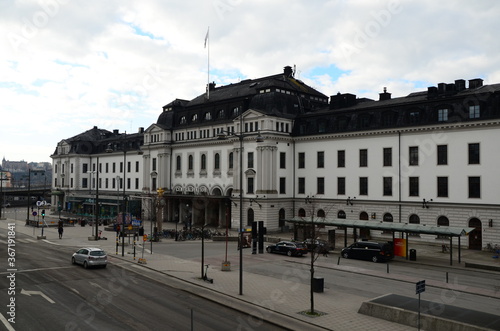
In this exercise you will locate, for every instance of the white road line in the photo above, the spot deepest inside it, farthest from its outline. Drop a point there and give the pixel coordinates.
(6, 323)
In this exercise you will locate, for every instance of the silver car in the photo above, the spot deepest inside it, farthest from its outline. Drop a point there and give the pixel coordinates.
(90, 257)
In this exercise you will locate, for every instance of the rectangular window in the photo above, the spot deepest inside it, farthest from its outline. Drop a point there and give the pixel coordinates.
(302, 185)
(128, 183)
(250, 159)
(363, 185)
(341, 159)
(85, 168)
(71, 168)
(107, 167)
(84, 182)
(363, 158)
(321, 159)
(442, 115)
(153, 164)
(413, 187)
(321, 185)
(136, 166)
(114, 167)
(128, 166)
(282, 185)
(250, 185)
(414, 156)
(442, 154)
(474, 187)
(341, 185)
(302, 160)
(388, 157)
(137, 183)
(442, 187)
(414, 117)
(473, 153)
(282, 160)
(71, 182)
(106, 183)
(121, 167)
(387, 186)
(474, 111)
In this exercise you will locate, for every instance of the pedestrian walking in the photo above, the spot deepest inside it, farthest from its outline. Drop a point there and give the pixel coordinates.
(60, 230)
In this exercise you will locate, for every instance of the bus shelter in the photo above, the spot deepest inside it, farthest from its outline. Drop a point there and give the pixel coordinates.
(405, 228)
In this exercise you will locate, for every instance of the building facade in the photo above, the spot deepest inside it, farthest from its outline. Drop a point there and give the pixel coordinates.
(263, 149)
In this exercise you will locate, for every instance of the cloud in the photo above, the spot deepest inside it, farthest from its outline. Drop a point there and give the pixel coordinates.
(69, 65)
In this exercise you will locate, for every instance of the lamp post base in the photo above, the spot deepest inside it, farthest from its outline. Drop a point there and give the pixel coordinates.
(226, 266)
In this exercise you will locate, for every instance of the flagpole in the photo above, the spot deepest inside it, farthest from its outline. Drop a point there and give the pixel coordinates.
(207, 42)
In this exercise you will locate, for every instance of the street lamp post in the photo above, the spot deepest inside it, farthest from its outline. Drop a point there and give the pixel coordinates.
(240, 136)
(122, 229)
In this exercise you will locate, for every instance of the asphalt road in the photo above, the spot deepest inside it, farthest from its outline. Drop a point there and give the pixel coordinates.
(53, 294)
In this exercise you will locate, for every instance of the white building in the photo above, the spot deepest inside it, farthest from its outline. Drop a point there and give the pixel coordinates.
(428, 158)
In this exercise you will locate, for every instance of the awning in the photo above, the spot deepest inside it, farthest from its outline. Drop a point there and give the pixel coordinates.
(385, 226)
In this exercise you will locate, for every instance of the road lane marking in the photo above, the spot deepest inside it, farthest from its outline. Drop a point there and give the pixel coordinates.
(50, 242)
(29, 293)
(6, 323)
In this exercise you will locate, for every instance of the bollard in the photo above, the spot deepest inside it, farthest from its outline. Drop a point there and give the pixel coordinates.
(447, 277)
(134, 249)
(117, 244)
(387, 268)
(338, 261)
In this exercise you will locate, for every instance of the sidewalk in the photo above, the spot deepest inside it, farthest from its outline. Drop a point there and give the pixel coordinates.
(269, 298)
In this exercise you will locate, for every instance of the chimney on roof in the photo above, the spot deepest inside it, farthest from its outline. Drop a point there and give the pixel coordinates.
(460, 84)
(288, 71)
(116, 131)
(141, 129)
(385, 95)
(211, 86)
(475, 83)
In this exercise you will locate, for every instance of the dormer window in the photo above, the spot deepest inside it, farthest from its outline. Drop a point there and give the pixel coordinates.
(474, 111)
(442, 115)
(183, 120)
(220, 114)
(208, 116)
(194, 118)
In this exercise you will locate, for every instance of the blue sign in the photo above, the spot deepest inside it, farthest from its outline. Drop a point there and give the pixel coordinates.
(34, 213)
(136, 222)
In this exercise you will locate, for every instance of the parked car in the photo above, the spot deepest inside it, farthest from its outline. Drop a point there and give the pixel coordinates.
(287, 247)
(367, 250)
(90, 257)
(318, 245)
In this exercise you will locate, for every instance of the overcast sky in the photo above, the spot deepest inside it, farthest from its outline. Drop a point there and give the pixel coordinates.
(69, 65)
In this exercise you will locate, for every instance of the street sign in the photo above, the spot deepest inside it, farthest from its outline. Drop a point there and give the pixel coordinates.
(420, 286)
(34, 213)
(145, 237)
(38, 203)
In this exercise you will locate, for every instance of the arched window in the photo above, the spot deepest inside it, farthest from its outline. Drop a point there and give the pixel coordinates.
(216, 161)
(203, 162)
(414, 219)
(341, 214)
(281, 217)
(443, 221)
(363, 216)
(183, 120)
(190, 162)
(178, 163)
(231, 160)
(302, 212)
(321, 213)
(250, 216)
(208, 116)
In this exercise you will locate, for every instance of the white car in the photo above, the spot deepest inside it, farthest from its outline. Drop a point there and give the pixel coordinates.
(90, 257)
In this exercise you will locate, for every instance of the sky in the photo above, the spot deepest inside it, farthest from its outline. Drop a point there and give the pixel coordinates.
(69, 65)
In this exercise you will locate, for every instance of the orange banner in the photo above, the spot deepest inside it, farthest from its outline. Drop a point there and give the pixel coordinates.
(400, 247)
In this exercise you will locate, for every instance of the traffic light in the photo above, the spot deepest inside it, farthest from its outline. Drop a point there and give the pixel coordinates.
(43, 212)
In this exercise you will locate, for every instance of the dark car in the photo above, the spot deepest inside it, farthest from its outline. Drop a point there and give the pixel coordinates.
(318, 246)
(287, 247)
(367, 250)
